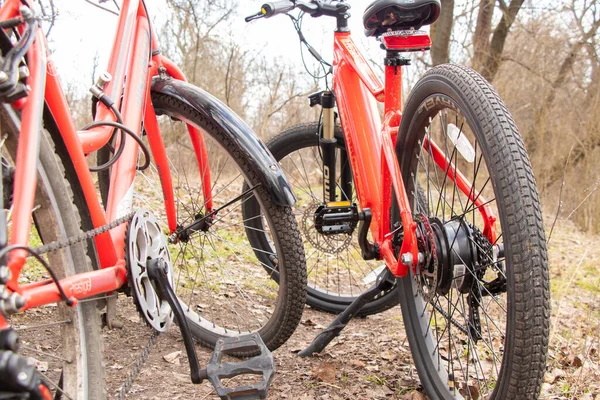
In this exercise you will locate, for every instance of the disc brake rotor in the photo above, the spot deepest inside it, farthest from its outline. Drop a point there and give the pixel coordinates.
(330, 244)
(426, 276)
(146, 241)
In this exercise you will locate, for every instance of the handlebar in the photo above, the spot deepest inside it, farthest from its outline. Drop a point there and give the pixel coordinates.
(277, 7)
(315, 8)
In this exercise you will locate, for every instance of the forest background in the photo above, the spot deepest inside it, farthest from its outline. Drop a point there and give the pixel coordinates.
(542, 56)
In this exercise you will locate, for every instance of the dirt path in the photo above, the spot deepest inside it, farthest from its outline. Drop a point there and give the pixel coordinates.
(371, 359)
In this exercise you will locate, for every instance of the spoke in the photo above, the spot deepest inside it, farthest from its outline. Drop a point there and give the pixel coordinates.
(45, 354)
(220, 270)
(53, 384)
(475, 173)
(24, 328)
(461, 216)
(245, 296)
(292, 176)
(479, 283)
(230, 202)
(436, 186)
(306, 173)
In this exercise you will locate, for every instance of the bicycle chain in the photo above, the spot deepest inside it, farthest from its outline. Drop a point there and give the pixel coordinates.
(137, 367)
(60, 244)
(450, 318)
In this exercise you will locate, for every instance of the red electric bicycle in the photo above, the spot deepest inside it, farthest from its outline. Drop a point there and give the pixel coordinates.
(442, 192)
(174, 239)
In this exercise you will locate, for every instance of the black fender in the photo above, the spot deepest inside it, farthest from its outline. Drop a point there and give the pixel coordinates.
(216, 113)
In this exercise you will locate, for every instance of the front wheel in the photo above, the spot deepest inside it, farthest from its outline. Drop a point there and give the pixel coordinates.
(337, 273)
(217, 275)
(65, 342)
(476, 310)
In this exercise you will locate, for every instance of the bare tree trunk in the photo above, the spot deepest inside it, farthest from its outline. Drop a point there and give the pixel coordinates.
(483, 30)
(441, 32)
(492, 63)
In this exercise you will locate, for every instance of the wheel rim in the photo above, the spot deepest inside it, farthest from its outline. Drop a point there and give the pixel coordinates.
(443, 335)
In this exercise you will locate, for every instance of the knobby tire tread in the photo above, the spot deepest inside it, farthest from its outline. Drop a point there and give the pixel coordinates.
(293, 287)
(524, 364)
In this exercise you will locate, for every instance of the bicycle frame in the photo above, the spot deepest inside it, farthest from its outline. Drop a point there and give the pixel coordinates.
(371, 147)
(135, 54)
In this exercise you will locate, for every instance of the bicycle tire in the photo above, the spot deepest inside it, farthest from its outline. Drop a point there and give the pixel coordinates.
(285, 302)
(58, 215)
(297, 151)
(459, 94)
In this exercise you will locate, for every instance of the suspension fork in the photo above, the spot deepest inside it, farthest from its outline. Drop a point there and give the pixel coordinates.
(327, 142)
(346, 177)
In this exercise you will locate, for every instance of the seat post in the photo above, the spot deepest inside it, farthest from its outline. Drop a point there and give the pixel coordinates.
(393, 62)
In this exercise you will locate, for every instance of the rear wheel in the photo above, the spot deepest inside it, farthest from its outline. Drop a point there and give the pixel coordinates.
(476, 310)
(65, 342)
(337, 273)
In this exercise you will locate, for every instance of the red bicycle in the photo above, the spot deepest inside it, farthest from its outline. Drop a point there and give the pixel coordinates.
(442, 192)
(177, 228)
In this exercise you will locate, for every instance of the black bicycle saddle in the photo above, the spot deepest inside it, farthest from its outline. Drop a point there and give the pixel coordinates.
(392, 15)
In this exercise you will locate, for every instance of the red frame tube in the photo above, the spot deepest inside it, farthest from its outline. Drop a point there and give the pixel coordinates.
(373, 155)
(130, 54)
(120, 195)
(197, 140)
(27, 156)
(489, 219)
(95, 138)
(372, 149)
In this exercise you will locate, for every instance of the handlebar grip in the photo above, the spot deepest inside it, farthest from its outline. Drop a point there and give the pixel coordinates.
(277, 7)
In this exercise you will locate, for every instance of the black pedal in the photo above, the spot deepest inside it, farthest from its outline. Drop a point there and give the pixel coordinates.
(262, 364)
(337, 217)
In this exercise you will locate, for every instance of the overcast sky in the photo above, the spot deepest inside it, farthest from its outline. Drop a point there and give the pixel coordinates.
(82, 31)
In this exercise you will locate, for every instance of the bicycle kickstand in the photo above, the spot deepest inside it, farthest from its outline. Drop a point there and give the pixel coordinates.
(216, 370)
(385, 280)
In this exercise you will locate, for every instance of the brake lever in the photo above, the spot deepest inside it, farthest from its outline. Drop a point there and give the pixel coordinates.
(255, 16)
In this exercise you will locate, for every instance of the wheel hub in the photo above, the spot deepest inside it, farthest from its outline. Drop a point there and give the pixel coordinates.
(455, 251)
(145, 242)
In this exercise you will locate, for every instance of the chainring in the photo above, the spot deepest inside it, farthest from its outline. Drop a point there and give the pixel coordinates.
(146, 241)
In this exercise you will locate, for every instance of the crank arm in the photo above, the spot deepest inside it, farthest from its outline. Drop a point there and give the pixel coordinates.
(157, 272)
(216, 369)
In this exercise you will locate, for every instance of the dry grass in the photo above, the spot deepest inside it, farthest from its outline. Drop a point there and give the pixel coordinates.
(573, 358)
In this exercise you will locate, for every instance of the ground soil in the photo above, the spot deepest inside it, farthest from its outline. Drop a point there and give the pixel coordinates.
(371, 359)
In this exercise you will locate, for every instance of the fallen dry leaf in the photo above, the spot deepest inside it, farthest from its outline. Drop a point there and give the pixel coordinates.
(173, 357)
(357, 363)
(576, 362)
(473, 392)
(414, 395)
(325, 372)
